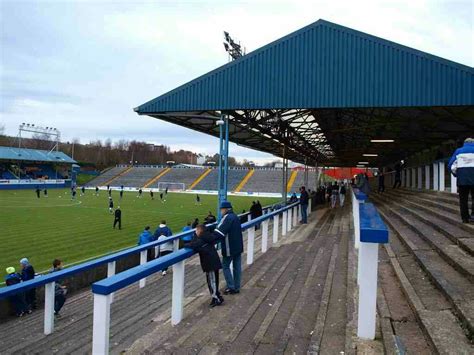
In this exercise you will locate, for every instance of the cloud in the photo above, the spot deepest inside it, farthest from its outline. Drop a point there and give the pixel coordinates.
(82, 66)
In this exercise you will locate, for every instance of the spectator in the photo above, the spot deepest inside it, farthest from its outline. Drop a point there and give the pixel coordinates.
(381, 182)
(195, 223)
(342, 194)
(461, 165)
(293, 198)
(28, 273)
(118, 217)
(334, 194)
(210, 218)
(230, 232)
(398, 176)
(362, 183)
(253, 210)
(144, 238)
(259, 209)
(97, 191)
(18, 299)
(60, 290)
(163, 233)
(186, 228)
(210, 262)
(243, 218)
(45, 191)
(38, 192)
(304, 200)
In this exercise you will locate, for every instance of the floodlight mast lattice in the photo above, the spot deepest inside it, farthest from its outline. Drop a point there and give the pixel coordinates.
(48, 131)
(234, 49)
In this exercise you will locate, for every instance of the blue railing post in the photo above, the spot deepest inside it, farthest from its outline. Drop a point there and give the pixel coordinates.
(372, 233)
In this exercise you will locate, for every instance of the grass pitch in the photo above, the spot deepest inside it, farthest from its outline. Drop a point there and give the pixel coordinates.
(75, 230)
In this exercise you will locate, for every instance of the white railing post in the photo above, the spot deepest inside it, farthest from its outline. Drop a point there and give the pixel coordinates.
(408, 177)
(454, 188)
(442, 183)
(249, 217)
(290, 219)
(420, 178)
(111, 272)
(295, 216)
(309, 207)
(427, 177)
(276, 222)
(176, 245)
(250, 244)
(264, 236)
(101, 325)
(284, 223)
(49, 307)
(143, 257)
(403, 178)
(177, 304)
(355, 217)
(413, 178)
(435, 177)
(367, 290)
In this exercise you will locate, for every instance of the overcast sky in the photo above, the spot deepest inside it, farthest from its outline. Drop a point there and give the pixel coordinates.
(82, 66)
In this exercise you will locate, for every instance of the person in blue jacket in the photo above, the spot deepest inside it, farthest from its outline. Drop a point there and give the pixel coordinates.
(189, 237)
(28, 273)
(230, 233)
(461, 165)
(144, 238)
(17, 300)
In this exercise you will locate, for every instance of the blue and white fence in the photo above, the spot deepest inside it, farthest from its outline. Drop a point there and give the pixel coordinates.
(104, 289)
(369, 232)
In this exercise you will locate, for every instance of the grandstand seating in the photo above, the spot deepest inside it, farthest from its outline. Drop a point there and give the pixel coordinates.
(182, 175)
(137, 176)
(109, 174)
(300, 181)
(264, 181)
(234, 177)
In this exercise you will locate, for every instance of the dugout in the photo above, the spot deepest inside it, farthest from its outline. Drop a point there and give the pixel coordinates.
(22, 168)
(328, 95)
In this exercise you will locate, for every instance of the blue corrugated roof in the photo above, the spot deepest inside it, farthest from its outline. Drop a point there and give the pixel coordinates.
(10, 153)
(324, 65)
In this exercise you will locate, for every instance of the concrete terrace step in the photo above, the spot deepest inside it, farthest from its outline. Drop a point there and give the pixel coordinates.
(435, 317)
(452, 230)
(440, 210)
(270, 312)
(450, 251)
(457, 288)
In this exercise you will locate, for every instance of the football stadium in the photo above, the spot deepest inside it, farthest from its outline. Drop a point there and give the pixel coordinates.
(313, 194)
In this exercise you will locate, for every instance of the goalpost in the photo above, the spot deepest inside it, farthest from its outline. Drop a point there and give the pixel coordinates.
(172, 186)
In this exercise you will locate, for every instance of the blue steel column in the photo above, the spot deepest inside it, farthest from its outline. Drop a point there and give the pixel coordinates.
(223, 162)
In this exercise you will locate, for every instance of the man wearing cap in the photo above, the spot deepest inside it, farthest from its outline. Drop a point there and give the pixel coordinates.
(28, 273)
(230, 233)
(461, 165)
(18, 299)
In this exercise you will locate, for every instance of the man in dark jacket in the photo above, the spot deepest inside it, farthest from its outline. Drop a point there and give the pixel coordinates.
(118, 217)
(18, 299)
(461, 165)
(28, 273)
(203, 243)
(230, 233)
(304, 198)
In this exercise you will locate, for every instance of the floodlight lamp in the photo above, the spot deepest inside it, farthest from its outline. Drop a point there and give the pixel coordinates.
(220, 122)
(370, 155)
(382, 140)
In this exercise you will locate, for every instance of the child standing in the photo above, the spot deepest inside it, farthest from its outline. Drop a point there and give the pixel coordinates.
(210, 261)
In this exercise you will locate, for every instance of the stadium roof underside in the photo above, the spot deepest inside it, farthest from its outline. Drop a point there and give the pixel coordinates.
(324, 92)
(34, 155)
